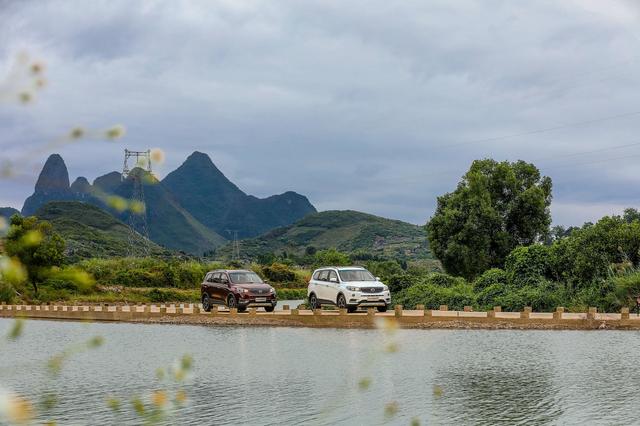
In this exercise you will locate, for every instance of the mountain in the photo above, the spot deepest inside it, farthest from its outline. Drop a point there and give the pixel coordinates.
(348, 231)
(205, 192)
(168, 223)
(91, 232)
(190, 210)
(7, 212)
(52, 184)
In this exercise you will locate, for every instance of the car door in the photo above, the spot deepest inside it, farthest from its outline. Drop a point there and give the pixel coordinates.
(333, 285)
(207, 285)
(321, 286)
(224, 286)
(215, 286)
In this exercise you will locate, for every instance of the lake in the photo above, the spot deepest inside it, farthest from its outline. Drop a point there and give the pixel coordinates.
(282, 376)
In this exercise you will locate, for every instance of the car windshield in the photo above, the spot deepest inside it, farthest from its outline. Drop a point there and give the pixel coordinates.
(356, 275)
(245, 278)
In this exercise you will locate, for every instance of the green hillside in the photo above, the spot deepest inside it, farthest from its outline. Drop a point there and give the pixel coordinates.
(348, 231)
(90, 231)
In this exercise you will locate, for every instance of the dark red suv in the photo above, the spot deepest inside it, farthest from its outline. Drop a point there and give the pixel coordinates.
(239, 289)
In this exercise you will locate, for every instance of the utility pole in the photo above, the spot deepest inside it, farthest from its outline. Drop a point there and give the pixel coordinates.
(137, 219)
(236, 244)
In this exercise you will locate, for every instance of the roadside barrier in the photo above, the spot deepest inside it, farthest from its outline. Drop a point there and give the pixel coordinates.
(407, 318)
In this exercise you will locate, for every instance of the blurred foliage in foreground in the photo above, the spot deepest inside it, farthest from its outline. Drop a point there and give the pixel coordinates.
(154, 407)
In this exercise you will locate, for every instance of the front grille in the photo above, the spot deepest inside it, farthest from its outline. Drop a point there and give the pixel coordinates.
(260, 291)
(371, 289)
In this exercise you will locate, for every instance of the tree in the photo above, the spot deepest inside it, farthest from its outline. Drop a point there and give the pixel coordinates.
(331, 257)
(631, 214)
(34, 243)
(496, 207)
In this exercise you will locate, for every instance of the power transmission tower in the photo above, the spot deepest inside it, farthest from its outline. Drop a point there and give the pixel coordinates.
(141, 157)
(137, 219)
(236, 244)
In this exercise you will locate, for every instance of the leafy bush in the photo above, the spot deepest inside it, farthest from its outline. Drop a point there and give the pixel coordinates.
(528, 265)
(161, 296)
(440, 279)
(7, 292)
(385, 269)
(541, 298)
(491, 278)
(277, 272)
(456, 297)
(490, 296)
(400, 281)
(331, 257)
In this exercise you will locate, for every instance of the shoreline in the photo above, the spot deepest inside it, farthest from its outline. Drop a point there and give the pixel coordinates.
(405, 319)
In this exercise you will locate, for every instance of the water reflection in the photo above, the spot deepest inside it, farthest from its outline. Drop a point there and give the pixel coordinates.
(276, 376)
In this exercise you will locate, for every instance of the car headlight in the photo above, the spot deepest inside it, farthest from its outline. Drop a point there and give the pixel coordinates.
(242, 290)
(350, 288)
(272, 290)
(385, 288)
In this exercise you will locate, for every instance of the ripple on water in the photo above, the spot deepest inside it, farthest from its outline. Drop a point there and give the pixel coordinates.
(282, 376)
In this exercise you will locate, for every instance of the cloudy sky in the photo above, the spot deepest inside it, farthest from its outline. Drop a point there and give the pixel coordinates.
(377, 106)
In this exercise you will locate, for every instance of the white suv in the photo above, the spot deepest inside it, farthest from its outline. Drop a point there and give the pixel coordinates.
(347, 287)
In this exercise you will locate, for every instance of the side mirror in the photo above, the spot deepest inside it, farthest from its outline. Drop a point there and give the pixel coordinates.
(333, 280)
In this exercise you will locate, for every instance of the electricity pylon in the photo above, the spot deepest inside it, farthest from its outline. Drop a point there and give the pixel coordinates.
(137, 219)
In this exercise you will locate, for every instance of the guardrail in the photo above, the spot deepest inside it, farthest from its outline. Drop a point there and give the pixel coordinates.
(338, 318)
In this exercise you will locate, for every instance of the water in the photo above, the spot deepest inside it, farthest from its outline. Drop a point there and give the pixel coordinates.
(282, 376)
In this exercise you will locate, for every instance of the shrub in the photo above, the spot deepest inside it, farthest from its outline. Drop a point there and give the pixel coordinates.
(399, 282)
(528, 265)
(385, 269)
(7, 292)
(277, 272)
(626, 288)
(490, 296)
(541, 298)
(157, 295)
(456, 297)
(331, 257)
(490, 278)
(440, 279)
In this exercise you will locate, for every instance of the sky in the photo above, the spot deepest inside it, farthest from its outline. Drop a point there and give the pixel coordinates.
(377, 106)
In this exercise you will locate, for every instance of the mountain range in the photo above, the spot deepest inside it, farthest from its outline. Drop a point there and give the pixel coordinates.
(346, 230)
(189, 210)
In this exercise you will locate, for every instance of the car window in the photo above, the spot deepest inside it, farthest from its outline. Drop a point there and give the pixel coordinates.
(208, 278)
(323, 275)
(316, 275)
(215, 277)
(224, 278)
(356, 275)
(333, 276)
(245, 278)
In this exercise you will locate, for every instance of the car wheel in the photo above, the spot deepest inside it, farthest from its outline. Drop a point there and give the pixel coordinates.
(232, 302)
(342, 301)
(313, 301)
(269, 308)
(382, 309)
(206, 303)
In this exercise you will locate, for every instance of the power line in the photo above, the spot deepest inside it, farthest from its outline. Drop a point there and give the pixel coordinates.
(576, 154)
(542, 130)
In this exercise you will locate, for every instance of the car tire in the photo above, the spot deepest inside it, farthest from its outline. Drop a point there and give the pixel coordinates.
(341, 302)
(382, 309)
(232, 302)
(313, 301)
(269, 308)
(206, 303)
